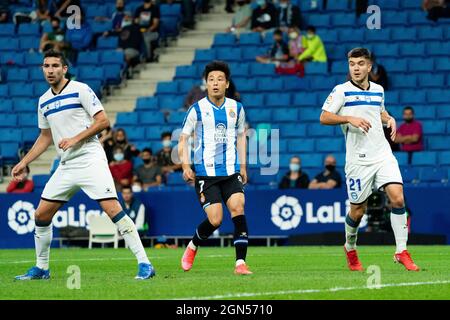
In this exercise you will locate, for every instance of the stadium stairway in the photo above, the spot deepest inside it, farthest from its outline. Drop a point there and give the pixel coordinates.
(123, 99)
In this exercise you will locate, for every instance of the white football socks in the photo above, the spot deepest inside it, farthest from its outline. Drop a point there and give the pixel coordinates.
(400, 228)
(42, 241)
(128, 230)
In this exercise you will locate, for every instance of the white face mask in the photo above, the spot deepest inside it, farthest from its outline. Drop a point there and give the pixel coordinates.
(126, 23)
(136, 188)
(293, 35)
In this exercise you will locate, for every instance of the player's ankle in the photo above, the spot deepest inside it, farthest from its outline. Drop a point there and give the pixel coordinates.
(192, 246)
(239, 262)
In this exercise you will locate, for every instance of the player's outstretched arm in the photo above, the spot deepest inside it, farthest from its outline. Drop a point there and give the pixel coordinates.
(329, 118)
(101, 122)
(42, 143)
(183, 154)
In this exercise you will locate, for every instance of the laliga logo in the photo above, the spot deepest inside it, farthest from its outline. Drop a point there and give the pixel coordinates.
(286, 213)
(21, 217)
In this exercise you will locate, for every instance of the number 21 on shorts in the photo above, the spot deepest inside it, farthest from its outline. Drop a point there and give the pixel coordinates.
(354, 186)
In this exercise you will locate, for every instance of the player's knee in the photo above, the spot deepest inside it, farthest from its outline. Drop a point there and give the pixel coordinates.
(42, 216)
(358, 212)
(215, 221)
(397, 201)
(236, 209)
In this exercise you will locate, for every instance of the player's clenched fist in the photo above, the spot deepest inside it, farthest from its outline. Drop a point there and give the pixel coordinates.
(67, 143)
(188, 175)
(360, 123)
(18, 172)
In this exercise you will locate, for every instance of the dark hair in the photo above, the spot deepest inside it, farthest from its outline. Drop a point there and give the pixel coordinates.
(117, 148)
(127, 187)
(360, 52)
(55, 54)
(166, 134)
(408, 108)
(311, 28)
(278, 32)
(55, 19)
(147, 150)
(217, 66)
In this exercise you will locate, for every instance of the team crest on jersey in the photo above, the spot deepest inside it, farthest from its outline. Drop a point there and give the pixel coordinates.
(368, 99)
(232, 114)
(220, 135)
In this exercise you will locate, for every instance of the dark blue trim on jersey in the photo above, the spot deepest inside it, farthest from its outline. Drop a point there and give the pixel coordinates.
(66, 107)
(216, 107)
(363, 93)
(363, 103)
(66, 96)
(199, 164)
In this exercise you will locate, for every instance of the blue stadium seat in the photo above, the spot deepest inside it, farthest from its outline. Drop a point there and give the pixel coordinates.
(309, 6)
(175, 179)
(438, 143)
(250, 53)
(91, 73)
(391, 97)
(229, 54)
(403, 81)
(312, 160)
(135, 132)
(147, 103)
(253, 100)
(312, 68)
(17, 74)
(239, 69)
(187, 72)
(310, 114)
(153, 132)
(7, 29)
(127, 118)
(88, 57)
(259, 69)
(246, 85)
(438, 96)
(173, 103)
(170, 10)
(318, 130)
(305, 99)
(343, 19)
(416, 18)
(339, 67)
(6, 105)
(295, 84)
(403, 34)
(319, 20)
(28, 29)
(113, 73)
(421, 65)
(402, 158)
(431, 80)
(412, 96)
(151, 117)
(329, 145)
(382, 50)
(30, 134)
(25, 105)
(268, 39)
(438, 48)
(112, 57)
(433, 126)
(186, 85)
(339, 5)
(167, 87)
(29, 42)
(378, 35)
(169, 27)
(12, 58)
(9, 44)
(425, 112)
(176, 117)
(278, 100)
(430, 33)
(40, 180)
(270, 84)
(101, 26)
(300, 145)
(433, 175)
(409, 174)
(255, 115)
(293, 130)
(224, 40)
(34, 59)
(21, 90)
(336, 52)
(111, 42)
(250, 39)
(444, 158)
(30, 120)
(329, 35)
(394, 18)
(442, 64)
(9, 152)
(322, 83)
(10, 135)
(412, 49)
(4, 90)
(425, 158)
(387, 4)
(204, 55)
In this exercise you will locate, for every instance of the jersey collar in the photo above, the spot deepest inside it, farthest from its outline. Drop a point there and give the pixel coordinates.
(353, 83)
(214, 106)
(55, 94)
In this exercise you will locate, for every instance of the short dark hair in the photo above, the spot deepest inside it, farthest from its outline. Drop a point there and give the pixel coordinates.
(278, 32)
(56, 54)
(127, 187)
(360, 52)
(147, 150)
(408, 108)
(217, 65)
(311, 28)
(117, 148)
(55, 19)
(166, 134)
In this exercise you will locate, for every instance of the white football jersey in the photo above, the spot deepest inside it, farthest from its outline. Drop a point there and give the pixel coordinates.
(69, 113)
(348, 99)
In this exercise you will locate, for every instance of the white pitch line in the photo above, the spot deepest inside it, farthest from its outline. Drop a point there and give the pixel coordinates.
(302, 291)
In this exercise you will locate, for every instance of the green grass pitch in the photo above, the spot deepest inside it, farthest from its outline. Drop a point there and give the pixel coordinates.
(279, 273)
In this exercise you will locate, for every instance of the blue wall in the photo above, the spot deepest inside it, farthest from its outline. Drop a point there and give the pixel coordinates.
(269, 212)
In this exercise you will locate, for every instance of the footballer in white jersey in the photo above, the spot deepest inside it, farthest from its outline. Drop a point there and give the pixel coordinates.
(70, 115)
(358, 107)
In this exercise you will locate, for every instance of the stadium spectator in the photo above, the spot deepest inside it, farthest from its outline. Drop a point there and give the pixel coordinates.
(79, 38)
(107, 140)
(59, 8)
(232, 92)
(279, 51)
(137, 185)
(130, 40)
(121, 169)
(410, 134)
(264, 17)
(197, 93)
(5, 13)
(135, 209)
(120, 139)
(149, 173)
(25, 186)
(54, 39)
(242, 18)
(147, 17)
(314, 48)
(295, 178)
(361, 7)
(330, 178)
(295, 44)
(41, 13)
(378, 74)
(229, 6)
(116, 17)
(436, 9)
(288, 15)
(164, 156)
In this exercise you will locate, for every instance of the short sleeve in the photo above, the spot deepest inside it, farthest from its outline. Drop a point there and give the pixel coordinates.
(241, 120)
(335, 101)
(89, 101)
(189, 121)
(42, 120)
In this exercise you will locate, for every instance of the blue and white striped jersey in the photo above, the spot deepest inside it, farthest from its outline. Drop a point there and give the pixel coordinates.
(215, 132)
(67, 114)
(348, 99)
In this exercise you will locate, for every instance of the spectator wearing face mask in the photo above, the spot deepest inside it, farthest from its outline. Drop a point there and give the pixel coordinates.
(295, 178)
(278, 53)
(264, 17)
(116, 17)
(130, 40)
(410, 134)
(147, 17)
(288, 15)
(53, 39)
(135, 209)
(24, 186)
(242, 18)
(164, 156)
(149, 173)
(329, 178)
(121, 168)
(314, 48)
(120, 139)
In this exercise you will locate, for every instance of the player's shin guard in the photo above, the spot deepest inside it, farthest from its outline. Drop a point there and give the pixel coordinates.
(240, 238)
(128, 230)
(203, 232)
(42, 240)
(351, 233)
(400, 228)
